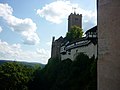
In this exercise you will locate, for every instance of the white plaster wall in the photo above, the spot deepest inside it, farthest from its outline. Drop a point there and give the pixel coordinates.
(90, 50)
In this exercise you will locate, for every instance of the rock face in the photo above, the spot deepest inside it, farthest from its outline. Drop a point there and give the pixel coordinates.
(108, 45)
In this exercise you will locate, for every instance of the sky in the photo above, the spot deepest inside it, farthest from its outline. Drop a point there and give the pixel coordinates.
(27, 26)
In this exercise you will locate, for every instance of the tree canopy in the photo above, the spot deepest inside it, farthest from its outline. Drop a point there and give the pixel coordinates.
(80, 74)
(75, 33)
(15, 76)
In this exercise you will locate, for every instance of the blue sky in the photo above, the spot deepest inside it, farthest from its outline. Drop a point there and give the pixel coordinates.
(27, 26)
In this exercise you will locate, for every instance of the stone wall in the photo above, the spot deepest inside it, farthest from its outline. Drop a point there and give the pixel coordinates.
(108, 45)
(55, 49)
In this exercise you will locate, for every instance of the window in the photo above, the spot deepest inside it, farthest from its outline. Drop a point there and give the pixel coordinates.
(76, 50)
(69, 53)
(76, 19)
(69, 50)
(63, 53)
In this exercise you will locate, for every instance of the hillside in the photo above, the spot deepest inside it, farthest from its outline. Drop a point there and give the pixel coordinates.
(25, 63)
(79, 74)
(67, 75)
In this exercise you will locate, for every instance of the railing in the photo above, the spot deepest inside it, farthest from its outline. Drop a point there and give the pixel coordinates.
(77, 44)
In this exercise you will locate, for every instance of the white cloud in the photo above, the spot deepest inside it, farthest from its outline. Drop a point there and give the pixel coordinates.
(41, 51)
(1, 29)
(49, 43)
(8, 51)
(15, 52)
(57, 11)
(30, 37)
(25, 27)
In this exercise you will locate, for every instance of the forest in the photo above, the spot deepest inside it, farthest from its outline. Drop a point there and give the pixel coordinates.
(80, 74)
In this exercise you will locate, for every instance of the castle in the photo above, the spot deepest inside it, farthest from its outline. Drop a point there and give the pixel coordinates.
(108, 64)
(63, 49)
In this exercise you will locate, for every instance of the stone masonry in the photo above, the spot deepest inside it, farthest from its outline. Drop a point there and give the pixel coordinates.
(108, 64)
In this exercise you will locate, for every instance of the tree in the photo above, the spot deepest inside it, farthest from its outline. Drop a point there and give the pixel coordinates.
(75, 33)
(14, 76)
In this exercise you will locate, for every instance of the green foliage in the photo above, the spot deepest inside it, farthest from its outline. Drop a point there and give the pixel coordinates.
(38, 81)
(86, 72)
(79, 74)
(74, 33)
(15, 76)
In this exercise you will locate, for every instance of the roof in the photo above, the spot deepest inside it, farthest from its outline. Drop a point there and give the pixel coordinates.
(93, 29)
(59, 39)
(78, 40)
(64, 41)
(78, 45)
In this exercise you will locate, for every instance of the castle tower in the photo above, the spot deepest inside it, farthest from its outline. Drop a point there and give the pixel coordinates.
(55, 50)
(74, 19)
(108, 64)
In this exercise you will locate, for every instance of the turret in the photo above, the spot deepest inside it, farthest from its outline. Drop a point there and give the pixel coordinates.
(53, 39)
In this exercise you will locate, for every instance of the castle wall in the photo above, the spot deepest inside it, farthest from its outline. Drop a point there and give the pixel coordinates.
(56, 45)
(90, 50)
(108, 64)
(55, 52)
